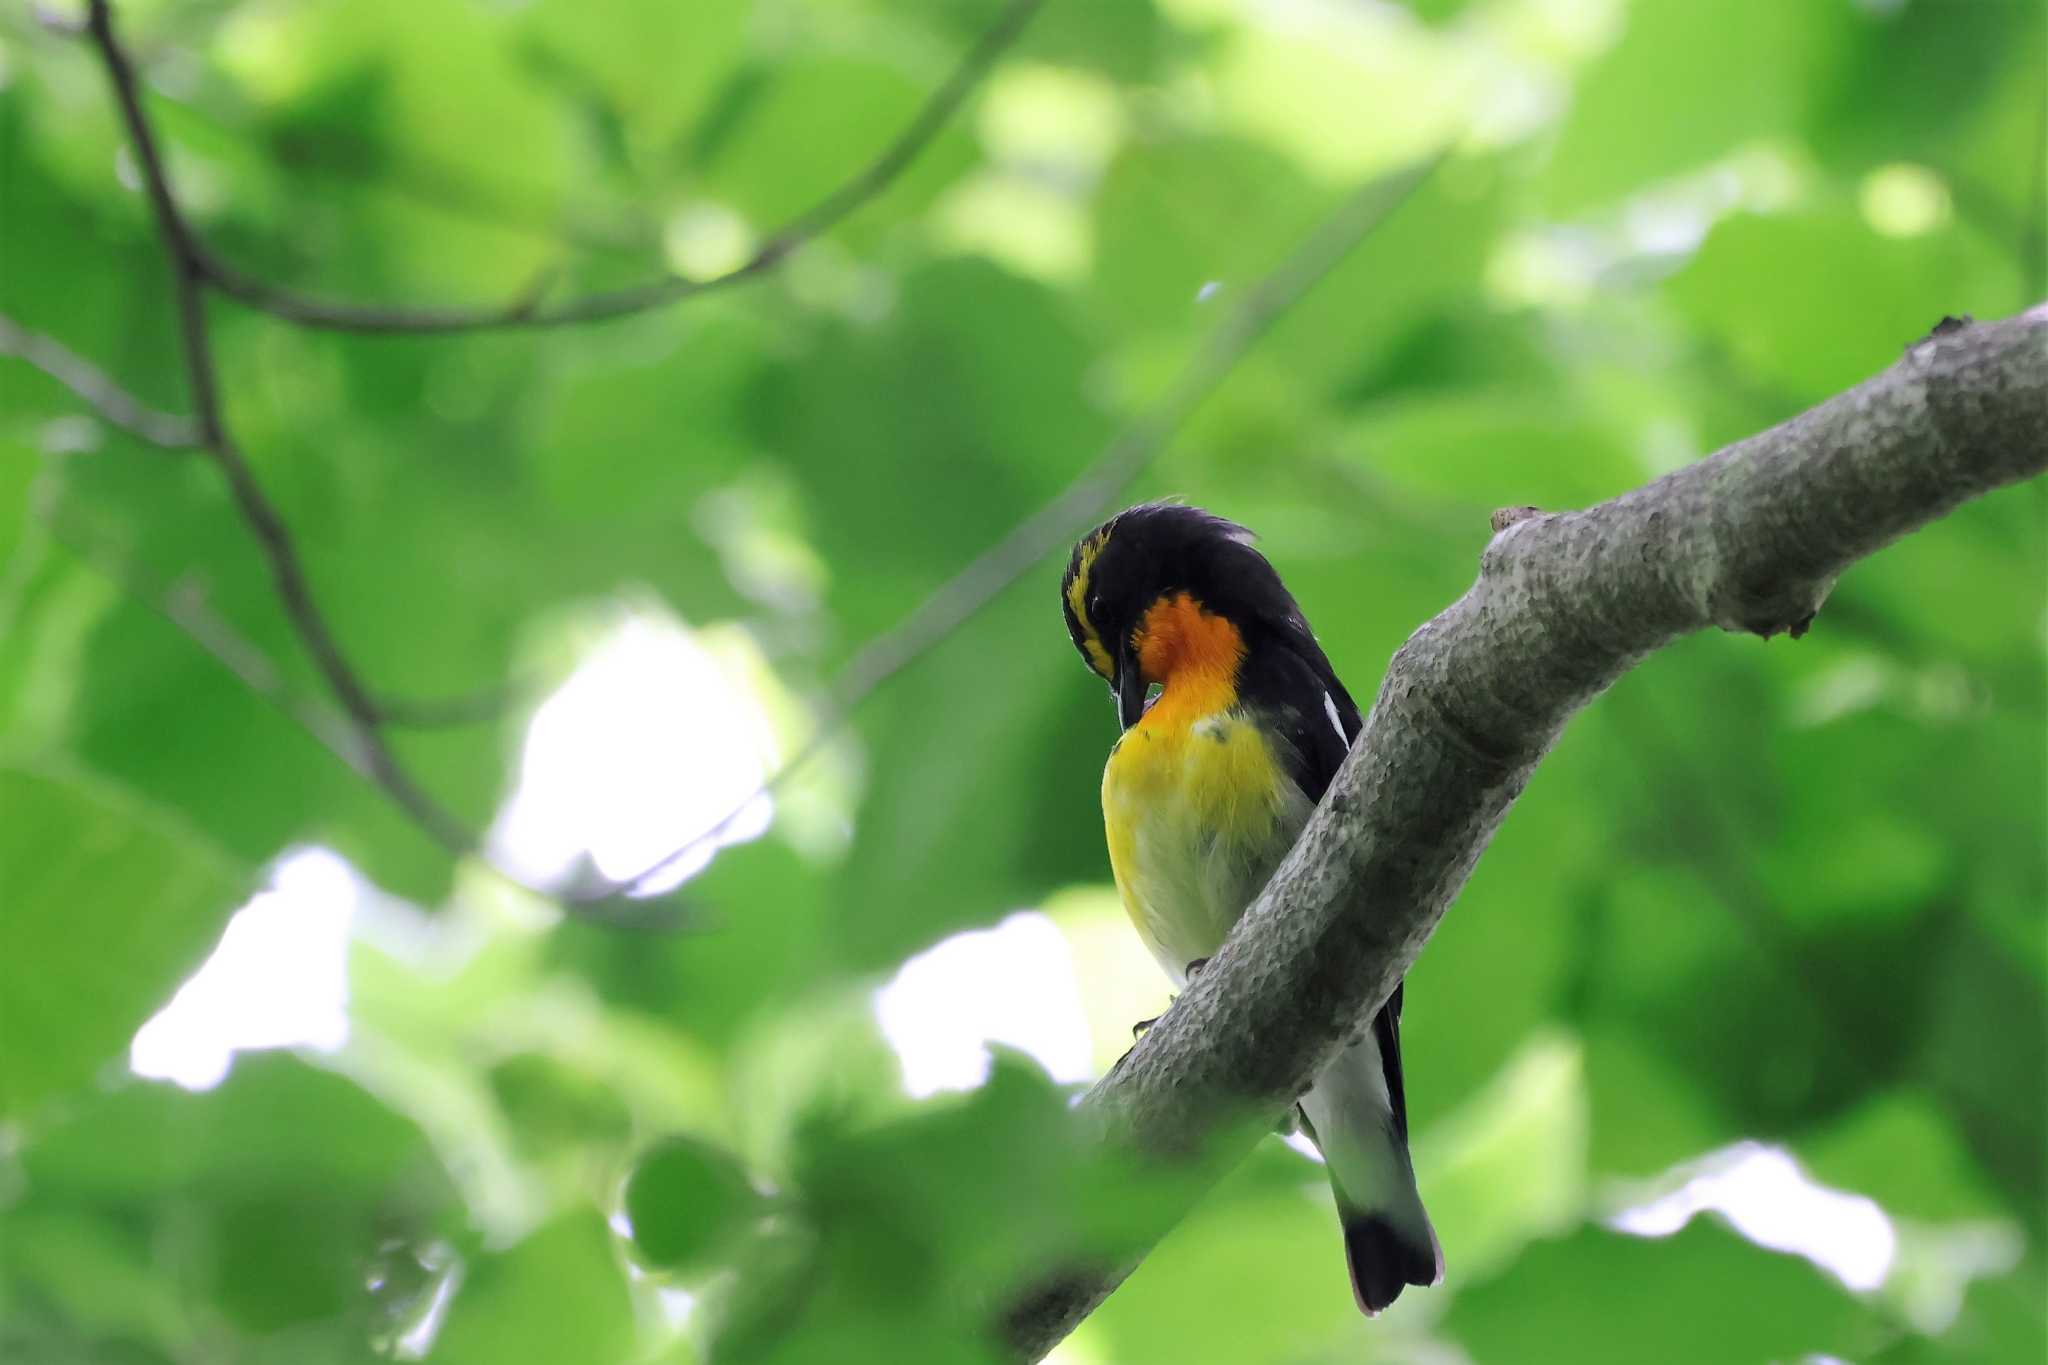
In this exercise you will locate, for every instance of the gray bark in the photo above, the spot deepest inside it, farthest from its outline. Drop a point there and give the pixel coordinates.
(1750, 539)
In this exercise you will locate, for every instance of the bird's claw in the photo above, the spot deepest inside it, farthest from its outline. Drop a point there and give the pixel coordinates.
(1138, 1029)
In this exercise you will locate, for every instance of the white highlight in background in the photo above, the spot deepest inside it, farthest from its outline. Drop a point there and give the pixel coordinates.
(1013, 984)
(279, 978)
(1768, 1198)
(648, 744)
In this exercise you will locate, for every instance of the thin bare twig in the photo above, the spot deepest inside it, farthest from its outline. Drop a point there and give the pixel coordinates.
(527, 311)
(317, 162)
(1002, 563)
(114, 403)
(195, 269)
(182, 602)
(273, 538)
(439, 713)
(173, 432)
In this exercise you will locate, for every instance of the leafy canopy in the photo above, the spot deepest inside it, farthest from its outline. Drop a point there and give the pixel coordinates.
(1790, 893)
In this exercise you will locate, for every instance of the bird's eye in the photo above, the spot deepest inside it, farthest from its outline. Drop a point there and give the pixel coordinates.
(1095, 607)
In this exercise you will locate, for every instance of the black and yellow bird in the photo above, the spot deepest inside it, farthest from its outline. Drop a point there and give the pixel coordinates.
(1206, 790)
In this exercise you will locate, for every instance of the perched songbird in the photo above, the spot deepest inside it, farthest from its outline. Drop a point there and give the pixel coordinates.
(1205, 792)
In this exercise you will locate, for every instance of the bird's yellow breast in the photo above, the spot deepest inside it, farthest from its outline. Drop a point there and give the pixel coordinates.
(1199, 812)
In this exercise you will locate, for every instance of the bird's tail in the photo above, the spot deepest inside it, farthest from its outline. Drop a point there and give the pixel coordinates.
(1386, 1253)
(1388, 1241)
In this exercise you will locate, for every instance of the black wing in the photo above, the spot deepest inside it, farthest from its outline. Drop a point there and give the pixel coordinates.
(1299, 698)
(1299, 693)
(1386, 1031)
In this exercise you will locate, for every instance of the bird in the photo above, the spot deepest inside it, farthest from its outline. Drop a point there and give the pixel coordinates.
(1233, 724)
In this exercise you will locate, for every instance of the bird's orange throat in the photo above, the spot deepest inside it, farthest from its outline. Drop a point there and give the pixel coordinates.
(1193, 654)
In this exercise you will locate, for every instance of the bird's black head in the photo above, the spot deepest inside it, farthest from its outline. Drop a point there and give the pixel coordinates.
(1157, 555)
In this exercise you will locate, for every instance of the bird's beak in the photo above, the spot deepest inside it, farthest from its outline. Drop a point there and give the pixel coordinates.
(1130, 688)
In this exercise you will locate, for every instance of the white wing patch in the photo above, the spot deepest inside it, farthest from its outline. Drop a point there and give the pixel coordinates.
(1330, 710)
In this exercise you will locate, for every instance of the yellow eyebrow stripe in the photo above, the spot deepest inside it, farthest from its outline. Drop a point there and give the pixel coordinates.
(1077, 600)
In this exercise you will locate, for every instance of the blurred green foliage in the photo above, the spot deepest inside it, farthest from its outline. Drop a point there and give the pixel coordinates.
(1792, 894)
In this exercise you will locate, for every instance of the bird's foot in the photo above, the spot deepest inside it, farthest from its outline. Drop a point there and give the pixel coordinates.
(1138, 1029)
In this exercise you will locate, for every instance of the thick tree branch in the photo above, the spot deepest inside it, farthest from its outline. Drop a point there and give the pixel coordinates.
(1750, 539)
(528, 309)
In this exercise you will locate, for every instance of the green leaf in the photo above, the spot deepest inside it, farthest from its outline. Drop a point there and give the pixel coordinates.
(655, 67)
(108, 905)
(1128, 40)
(551, 1104)
(813, 123)
(1425, 259)
(93, 1270)
(749, 1315)
(1437, 11)
(1685, 85)
(30, 1332)
(86, 269)
(934, 851)
(261, 1203)
(1817, 301)
(156, 712)
(1600, 1298)
(688, 1202)
(275, 1126)
(2002, 1319)
(284, 1260)
(1913, 80)
(1509, 447)
(922, 1222)
(1509, 940)
(1647, 1114)
(1267, 1236)
(1903, 1151)
(1175, 215)
(1789, 893)
(556, 1296)
(711, 987)
(18, 542)
(1188, 227)
(1986, 1042)
(648, 420)
(391, 66)
(989, 415)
